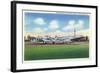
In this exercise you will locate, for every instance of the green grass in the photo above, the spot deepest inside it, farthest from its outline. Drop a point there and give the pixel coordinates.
(56, 51)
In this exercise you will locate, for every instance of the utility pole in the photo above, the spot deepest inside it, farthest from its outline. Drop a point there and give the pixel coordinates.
(74, 32)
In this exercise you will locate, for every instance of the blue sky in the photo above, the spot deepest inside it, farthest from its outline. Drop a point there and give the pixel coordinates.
(47, 22)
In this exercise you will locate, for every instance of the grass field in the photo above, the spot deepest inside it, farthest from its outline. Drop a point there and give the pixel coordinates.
(42, 52)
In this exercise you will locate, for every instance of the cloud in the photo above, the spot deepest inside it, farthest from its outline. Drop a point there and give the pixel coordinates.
(79, 25)
(81, 22)
(58, 31)
(83, 32)
(69, 26)
(71, 22)
(73, 25)
(54, 25)
(38, 30)
(45, 29)
(39, 21)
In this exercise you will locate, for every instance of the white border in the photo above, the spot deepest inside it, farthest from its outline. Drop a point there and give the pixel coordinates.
(54, 63)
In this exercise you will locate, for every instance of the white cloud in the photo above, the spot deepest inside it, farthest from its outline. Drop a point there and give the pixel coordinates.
(72, 25)
(45, 29)
(83, 32)
(39, 21)
(71, 22)
(69, 26)
(38, 30)
(58, 31)
(54, 25)
(79, 25)
(80, 22)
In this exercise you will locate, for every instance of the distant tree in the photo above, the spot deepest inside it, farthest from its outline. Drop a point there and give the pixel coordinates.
(29, 37)
(87, 38)
(24, 38)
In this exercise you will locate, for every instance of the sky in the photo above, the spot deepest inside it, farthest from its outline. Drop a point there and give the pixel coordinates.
(47, 22)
